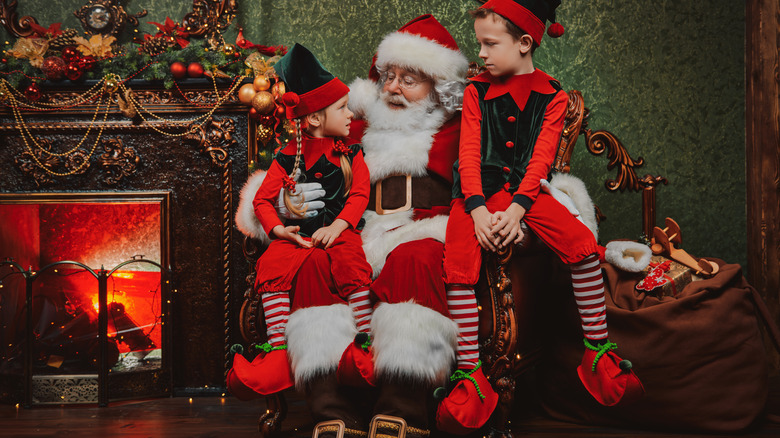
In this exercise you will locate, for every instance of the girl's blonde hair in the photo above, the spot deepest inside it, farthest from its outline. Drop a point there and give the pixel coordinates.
(298, 208)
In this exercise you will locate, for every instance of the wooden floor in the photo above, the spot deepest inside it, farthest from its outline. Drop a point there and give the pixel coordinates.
(229, 417)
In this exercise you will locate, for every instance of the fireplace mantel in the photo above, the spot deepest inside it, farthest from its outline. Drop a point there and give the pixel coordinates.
(137, 155)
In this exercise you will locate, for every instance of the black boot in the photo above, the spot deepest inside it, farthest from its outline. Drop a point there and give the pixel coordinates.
(329, 401)
(410, 402)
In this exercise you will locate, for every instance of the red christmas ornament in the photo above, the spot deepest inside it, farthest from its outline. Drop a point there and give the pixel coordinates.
(195, 70)
(253, 114)
(87, 63)
(32, 92)
(54, 68)
(70, 54)
(178, 70)
(74, 72)
(555, 30)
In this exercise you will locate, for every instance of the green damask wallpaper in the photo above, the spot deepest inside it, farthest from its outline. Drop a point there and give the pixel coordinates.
(667, 78)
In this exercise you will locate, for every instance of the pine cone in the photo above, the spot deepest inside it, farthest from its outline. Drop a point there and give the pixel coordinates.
(155, 46)
(65, 39)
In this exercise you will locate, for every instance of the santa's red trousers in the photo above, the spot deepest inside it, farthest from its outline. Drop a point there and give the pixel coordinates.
(549, 219)
(412, 271)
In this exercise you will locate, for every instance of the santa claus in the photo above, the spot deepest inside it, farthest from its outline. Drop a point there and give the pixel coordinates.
(408, 121)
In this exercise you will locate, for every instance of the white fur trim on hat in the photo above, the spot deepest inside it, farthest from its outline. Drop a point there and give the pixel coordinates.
(628, 255)
(316, 339)
(417, 53)
(413, 342)
(246, 219)
(575, 189)
(383, 233)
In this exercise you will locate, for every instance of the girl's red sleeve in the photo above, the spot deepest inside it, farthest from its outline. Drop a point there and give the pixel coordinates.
(266, 197)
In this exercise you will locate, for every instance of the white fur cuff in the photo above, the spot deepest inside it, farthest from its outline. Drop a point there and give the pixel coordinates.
(246, 220)
(627, 255)
(316, 339)
(413, 342)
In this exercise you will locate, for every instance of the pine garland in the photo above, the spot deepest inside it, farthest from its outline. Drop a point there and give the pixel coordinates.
(129, 62)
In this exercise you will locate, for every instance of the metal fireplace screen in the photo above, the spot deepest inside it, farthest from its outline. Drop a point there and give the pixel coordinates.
(58, 253)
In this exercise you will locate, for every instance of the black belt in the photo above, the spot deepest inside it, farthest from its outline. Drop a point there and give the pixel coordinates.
(403, 192)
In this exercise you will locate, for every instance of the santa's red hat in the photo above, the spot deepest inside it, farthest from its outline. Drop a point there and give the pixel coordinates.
(529, 15)
(309, 86)
(423, 45)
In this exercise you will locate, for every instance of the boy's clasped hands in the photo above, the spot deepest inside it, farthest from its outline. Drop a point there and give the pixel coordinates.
(500, 229)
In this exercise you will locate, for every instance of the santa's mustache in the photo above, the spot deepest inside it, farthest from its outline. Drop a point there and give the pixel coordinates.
(394, 99)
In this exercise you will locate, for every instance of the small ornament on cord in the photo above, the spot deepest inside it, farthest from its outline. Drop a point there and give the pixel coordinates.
(341, 148)
(656, 278)
(288, 183)
(32, 92)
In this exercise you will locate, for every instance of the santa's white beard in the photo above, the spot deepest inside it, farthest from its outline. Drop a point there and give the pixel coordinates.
(414, 115)
(397, 141)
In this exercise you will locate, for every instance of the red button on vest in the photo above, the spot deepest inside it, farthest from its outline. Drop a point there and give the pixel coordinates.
(318, 175)
(510, 145)
(511, 119)
(506, 170)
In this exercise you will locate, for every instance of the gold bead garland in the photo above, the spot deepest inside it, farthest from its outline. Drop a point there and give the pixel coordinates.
(110, 84)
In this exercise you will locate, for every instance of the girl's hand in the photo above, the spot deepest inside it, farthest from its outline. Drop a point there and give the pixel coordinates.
(483, 221)
(291, 234)
(507, 225)
(325, 236)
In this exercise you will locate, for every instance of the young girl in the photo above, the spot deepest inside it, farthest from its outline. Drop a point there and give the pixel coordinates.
(513, 116)
(316, 102)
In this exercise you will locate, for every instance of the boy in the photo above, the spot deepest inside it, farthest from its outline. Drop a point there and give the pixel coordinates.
(316, 102)
(513, 116)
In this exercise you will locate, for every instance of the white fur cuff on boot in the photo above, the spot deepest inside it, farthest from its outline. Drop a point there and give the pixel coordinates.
(316, 338)
(413, 342)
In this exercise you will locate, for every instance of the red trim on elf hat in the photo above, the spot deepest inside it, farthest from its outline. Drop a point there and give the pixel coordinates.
(519, 16)
(315, 99)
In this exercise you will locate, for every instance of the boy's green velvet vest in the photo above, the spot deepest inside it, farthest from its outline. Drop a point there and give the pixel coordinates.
(508, 138)
(332, 180)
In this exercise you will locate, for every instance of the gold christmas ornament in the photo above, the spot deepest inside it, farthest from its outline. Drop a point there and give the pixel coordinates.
(229, 49)
(263, 102)
(111, 84)
(264, 134)
(261, 83)
(246, 93)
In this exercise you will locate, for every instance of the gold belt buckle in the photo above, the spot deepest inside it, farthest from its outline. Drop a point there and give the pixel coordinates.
(405, 207)
(329, 426)
(387, 421)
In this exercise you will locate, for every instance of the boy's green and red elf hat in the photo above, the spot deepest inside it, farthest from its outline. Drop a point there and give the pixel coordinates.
(529, 15)
(309, 86)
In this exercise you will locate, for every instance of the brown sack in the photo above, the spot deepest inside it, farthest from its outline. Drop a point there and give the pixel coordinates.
(700, 355)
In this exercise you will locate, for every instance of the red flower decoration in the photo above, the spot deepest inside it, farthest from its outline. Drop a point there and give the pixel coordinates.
(264, 50)
(288, 183)
(173, 30)
(51, 32)
(341, 148)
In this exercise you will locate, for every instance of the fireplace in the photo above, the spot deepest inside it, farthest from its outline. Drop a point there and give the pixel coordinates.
(151, 171)
(60, 252)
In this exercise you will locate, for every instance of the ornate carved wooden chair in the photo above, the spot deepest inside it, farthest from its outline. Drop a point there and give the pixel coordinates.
(511, 283)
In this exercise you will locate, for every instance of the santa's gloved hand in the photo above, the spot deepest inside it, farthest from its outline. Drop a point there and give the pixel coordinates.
(307, 193)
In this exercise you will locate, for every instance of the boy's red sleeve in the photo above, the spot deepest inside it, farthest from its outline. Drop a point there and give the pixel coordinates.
(266, 196)
(470, 150)
(357, 201)
(546, 146)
